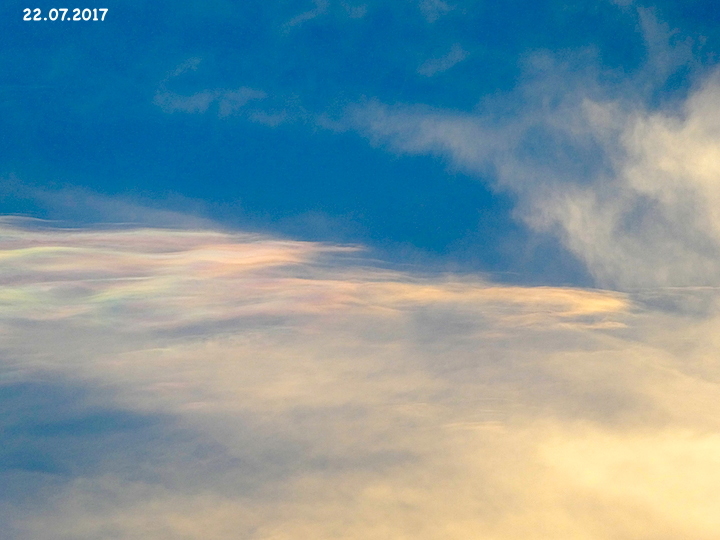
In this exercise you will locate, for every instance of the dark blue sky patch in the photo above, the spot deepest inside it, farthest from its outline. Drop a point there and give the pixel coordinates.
(53, 429)
(54, 433)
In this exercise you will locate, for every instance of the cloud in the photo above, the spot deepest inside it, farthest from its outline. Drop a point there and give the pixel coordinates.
(77, 206)
(438, 65)
(228, 101)
(202, 384)
(432, 10)
(191, 64)
(171, 380)
(355, 12)
(666, 49)
(321, 7)
(195, 103)
(629, 188)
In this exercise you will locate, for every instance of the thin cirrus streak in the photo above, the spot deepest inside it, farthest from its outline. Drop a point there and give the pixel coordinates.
(200, 384)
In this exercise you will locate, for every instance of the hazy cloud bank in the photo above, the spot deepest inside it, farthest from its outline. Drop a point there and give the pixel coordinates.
(212, 385)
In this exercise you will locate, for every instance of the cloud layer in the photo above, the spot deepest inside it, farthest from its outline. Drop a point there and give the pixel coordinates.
(199, 384)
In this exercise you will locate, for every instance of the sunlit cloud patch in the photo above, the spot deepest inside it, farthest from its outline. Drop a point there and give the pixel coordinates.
(204, 384)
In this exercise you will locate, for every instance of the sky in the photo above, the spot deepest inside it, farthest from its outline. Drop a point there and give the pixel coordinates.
(412, 269)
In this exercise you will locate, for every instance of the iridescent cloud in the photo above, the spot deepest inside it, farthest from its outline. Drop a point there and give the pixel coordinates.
(201, 384)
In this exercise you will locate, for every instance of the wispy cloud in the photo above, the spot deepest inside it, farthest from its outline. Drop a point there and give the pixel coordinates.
(76, 206)
(432, 10)
(240, 384)
(321, 7)
(628, 188)
(228, 101)
(437, 65)
(355, 12)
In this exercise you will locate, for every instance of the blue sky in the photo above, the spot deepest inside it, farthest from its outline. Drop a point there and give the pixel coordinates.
(80, 108)
(345, 270)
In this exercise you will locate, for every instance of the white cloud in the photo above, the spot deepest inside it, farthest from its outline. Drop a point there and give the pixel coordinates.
(631, 190)
(666, 50)
(437, 65)
(286, 389)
